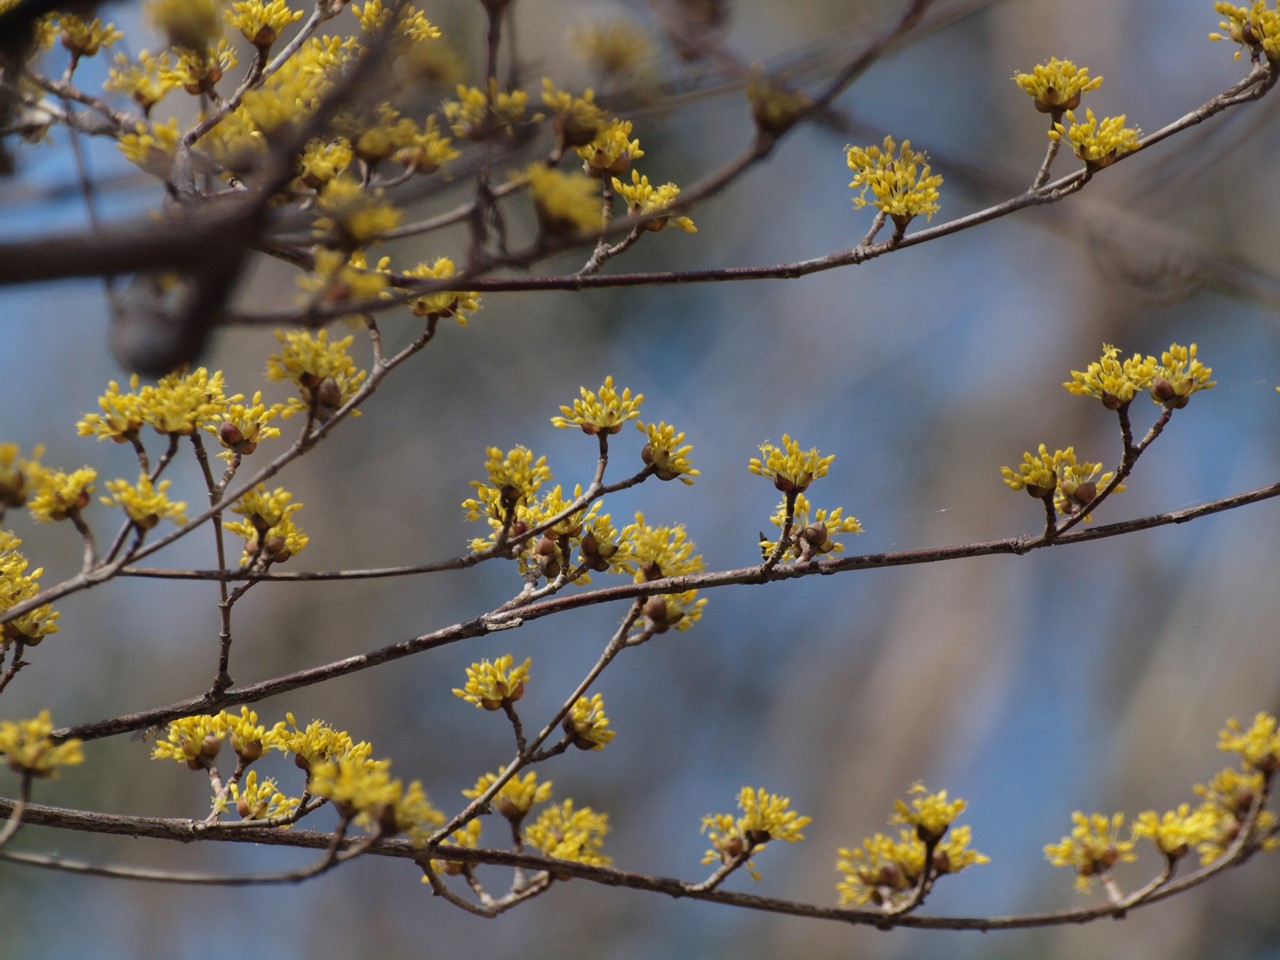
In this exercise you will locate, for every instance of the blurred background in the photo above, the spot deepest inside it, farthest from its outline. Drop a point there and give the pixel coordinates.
(1093, 677)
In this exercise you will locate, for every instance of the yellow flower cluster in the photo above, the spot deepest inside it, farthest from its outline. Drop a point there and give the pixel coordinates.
(353, 215)
(1072, 484)
(1230, 802)
(611, 151)
(494, 685)
(1057, 85)
(515, 798)
(587, 725)
(364, 790)
(60, 495)
(600, 411)
(576, 120)
(514, 478)
(145, 503)
(1098, 143)
(28, 748)
(1171, 381)
(16, 586)
(566, 203)
(886, 871)
(269, 533)
(412, 26)
(480, 115)
(84, 37)
(565, 833)
(179, 404)
(1255, 27)
(643, 200)
(665, 453)
(812, 530)
(326, 377)
(899, 178)
(665, 551)
(765, 816)
(261, 21)
(1093, 848)
(445, 303)
(790, 468)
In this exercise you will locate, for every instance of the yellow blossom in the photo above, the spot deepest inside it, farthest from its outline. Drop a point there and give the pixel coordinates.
(198, 71)
(1072, 484)
(587, 725)
(19, 476)
(413, 26)
(240, 427)
(338, 276)
(468, 838)
(268, 529)
(323, 160)
(146, 82)
(145, 503)
(1098, 143)
(880, 870)
(1255, 28)
(194, 741)
(790, 468)
(121, 418)
(899, 178)
(1093, 848)
(663, 452)
(316, 743)
(1176, 832)
(493, 685)
(1113, 381)
(16, 586)
(445, 303)
(930, 813)
(183, 402)
(426, 150)
(643, 199)
(811, 530)
(152, 146)
(29, 749)
(259, 800)
(568, 834)
(1178, 376)
(765, 816)
(611, 151)
(84, 37)
(1057, 86)
(664, 551)
(566, 203)
(1258, 746)
(514, 477)
(261, 21)
(355, 785)
(326, 377)
(353, 215)
(60, 494)
(602, 411)
(515, 797)
(479, 115)
(577, 120)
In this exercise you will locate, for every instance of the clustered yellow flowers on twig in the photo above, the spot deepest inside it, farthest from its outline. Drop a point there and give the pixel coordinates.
(1231, 820)
(1070, 487)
